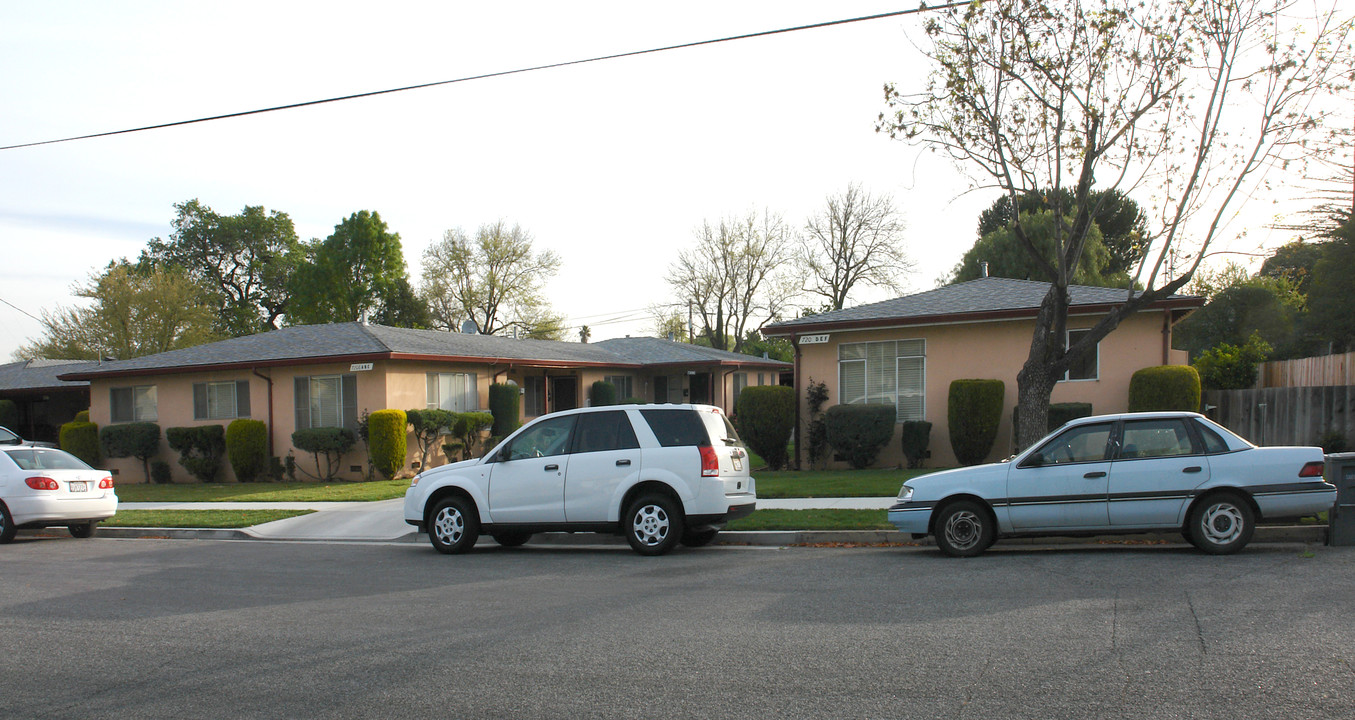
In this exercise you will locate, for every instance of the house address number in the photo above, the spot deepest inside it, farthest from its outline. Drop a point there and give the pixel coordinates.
(814, 339)
(358, 367)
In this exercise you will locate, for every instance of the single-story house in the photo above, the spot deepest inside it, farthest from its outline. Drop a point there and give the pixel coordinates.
(907, 351)
(328, 375)
(44, 402)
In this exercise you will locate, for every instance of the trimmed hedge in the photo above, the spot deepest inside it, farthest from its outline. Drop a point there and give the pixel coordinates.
(916, 436)
(1165, 387)
(859, 432)
(247, 448)
(333, 443)
(603, 393)
(161, 473)
(973, 411)
(429, 426)
(140, 440)
(81, 439)
(505, 405)
(467, 428)
(765, 418)
(82, 416)
(387, 441)
(1059, 414)
(9, 414)
(200, 449)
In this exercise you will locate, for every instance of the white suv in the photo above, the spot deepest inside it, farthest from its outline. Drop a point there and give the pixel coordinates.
(658, 474)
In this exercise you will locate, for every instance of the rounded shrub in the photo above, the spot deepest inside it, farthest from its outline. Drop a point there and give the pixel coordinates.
(82, 416)
(973, 412)
(247, 448)
(1165, 387)
(387, 441)
(161, 473)
(916, 435)
(765, 417)
(200, 449)
(140, 440)
(603, 393)
(505, 405)
(859, 432)
(81, 439)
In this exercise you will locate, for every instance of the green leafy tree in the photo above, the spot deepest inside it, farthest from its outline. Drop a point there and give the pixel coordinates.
(1123, 226)
(1232, 367)
(1331, 295)
(349, 274)
(1007, 256)
(1038, 96)
(1267, 306)
(402, 307)
(495, 279)
(246, 260)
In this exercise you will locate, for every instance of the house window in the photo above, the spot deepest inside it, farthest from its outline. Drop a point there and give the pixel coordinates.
(885, 373)
(326, 401)
(625, 385)
(1088, 368)
(132, 404)
(221, 400)
(457, 392)
(534, 396)
(740, 382)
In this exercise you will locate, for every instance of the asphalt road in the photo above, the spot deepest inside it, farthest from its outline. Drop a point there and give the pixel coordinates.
(161, 629)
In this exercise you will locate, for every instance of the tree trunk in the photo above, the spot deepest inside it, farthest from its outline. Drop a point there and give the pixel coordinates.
(1034, 385)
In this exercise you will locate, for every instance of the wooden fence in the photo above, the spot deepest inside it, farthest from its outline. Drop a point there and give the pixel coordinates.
(1285, 415)
(1321, 371)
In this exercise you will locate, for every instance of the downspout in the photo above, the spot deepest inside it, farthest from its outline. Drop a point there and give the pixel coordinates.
(269, 380)
(1166, 336)
(799, 441)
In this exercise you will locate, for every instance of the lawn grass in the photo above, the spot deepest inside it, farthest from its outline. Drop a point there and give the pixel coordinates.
(813, 520)
(198, 518)
(833, 483)
(264, 492)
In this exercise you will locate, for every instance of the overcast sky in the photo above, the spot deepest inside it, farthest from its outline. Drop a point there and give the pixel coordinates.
(612, 165)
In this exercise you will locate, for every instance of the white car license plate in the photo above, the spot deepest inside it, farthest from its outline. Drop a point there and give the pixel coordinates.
(80, 486)
(738, 464)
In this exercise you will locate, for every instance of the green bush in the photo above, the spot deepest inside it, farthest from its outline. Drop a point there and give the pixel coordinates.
(81, 439)
(859, 432)
(603, 393)
(816, 394)
(1165, 387)
(916, 436)
(333, 443)
(1332, 441)
(82, 416)
(140, 440)
(200, 449)
(429, 426)
(1229, 367)
(388, 441)
(973, 412)
(765, 417)
(467, 428)
(161, 473)
(505, 405)
(9, 414)
(247, 448)
(634, 401)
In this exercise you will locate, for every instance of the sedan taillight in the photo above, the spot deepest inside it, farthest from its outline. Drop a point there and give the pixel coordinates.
(710, 462)
(106, 483)
(42, 483)
(1312, 469)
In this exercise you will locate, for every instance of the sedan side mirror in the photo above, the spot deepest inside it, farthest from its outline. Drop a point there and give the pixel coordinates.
(1035, 459)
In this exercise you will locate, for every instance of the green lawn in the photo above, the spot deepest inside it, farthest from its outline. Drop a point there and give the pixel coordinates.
(198, 518)
(264, 492)
(813, 520)
(832, 483)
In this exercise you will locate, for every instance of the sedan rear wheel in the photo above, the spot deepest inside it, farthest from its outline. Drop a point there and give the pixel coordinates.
(1221, 524)
(83, 530)
(963, 529)
(7, 528)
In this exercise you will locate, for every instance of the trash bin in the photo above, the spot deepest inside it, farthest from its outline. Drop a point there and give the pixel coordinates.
(1341, 518)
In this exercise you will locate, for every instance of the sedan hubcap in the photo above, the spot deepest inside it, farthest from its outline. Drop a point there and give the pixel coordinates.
(650, 525)
(963, 530)
(449, 525)
(1222, 523)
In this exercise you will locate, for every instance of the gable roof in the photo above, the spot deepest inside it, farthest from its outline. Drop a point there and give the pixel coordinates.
(990, 298)
(41, 374)
(355, 342)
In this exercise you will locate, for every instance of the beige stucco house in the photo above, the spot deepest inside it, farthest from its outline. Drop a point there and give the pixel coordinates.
(328, 375)
(906, 351)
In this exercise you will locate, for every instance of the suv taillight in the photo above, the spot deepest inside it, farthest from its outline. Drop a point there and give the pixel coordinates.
(710, 463)
(1312, 469)
(106, 483)
(42, 483)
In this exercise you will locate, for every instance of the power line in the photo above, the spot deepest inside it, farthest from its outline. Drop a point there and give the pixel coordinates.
(16, 307)
(502, 73)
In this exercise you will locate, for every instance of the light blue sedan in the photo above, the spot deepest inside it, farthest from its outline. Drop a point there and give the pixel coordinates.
(1134, 472)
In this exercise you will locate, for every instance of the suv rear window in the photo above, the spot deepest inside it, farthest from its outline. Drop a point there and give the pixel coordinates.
(676, 428)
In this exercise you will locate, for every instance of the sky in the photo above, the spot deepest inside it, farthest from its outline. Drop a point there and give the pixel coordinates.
(612, 165)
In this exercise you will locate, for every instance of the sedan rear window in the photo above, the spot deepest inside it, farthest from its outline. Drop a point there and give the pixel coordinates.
(676, 428)
(45, 459)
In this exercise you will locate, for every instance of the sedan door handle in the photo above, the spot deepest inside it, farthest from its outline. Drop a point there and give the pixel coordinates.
(1094, 475)
(622, 463)
(551, 467)
(1192, 469)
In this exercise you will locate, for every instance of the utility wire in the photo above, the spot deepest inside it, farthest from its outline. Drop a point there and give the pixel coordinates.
(502, 73)
(16, 307)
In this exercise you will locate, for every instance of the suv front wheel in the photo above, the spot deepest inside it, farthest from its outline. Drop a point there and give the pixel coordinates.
(453, 526)
(653, 524)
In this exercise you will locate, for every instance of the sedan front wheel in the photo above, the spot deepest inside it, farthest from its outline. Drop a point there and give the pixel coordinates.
(964, 529)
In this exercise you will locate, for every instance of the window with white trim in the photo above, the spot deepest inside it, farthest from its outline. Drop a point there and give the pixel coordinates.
(132, 404)
(534, 396)
(885, 373)
(221, 400)
(453, 391)
(1089, 367)
(625, 385)
(326, 401)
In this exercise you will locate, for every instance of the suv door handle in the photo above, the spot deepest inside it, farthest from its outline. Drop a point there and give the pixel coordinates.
(1192, 469)
(622, 463)
(551, 467)
(1094, 475)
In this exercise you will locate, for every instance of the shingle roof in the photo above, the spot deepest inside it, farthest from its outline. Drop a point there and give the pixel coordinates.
(41, 374)
(992, 296)
(304, 344)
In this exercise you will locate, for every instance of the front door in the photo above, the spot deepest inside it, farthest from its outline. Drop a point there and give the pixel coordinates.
(701, 389)
(564, 393)
(1152, 478)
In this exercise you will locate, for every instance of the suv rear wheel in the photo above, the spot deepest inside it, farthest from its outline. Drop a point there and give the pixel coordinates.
(653, 524)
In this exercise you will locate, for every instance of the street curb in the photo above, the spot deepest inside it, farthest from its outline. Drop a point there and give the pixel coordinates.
(1312, 534)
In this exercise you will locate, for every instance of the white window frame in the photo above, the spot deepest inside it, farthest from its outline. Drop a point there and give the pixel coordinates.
(1096, 362)
(466, 400)
(144, 404)
(624, 384)
(901, 351)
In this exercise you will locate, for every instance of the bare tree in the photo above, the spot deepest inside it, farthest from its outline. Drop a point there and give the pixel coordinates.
(856, 239)
(737, 277)
(1187, 103)
(494, 279)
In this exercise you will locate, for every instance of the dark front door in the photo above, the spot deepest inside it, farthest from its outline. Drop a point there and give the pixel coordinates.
(564, 393)
(660, 388)
(701, 388)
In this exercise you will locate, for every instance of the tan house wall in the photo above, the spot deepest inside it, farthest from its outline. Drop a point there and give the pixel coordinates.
(993, 350)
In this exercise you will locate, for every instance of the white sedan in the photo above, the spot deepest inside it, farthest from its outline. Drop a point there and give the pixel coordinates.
(1134, 472)
(43, 487)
